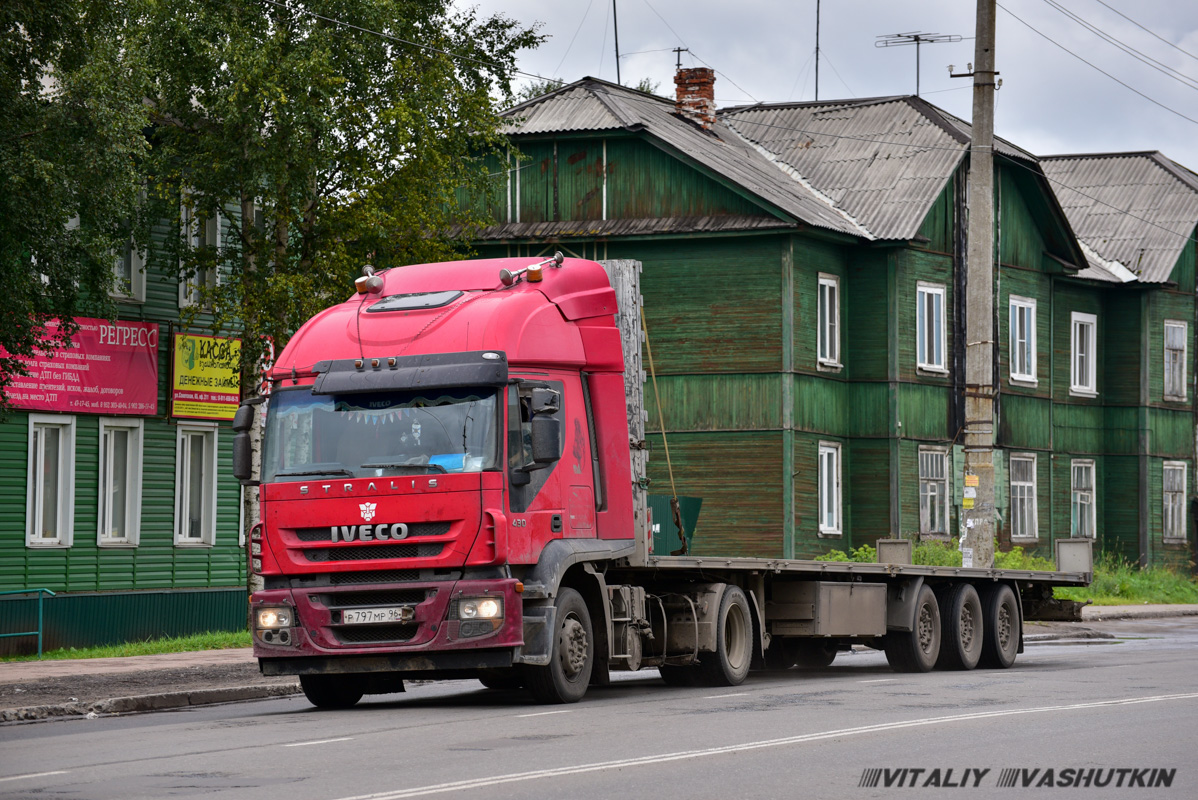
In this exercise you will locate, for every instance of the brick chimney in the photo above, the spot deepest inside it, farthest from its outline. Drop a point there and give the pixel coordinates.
(695, 95)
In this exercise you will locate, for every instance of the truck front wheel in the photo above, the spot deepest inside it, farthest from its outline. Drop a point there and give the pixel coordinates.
(564, 679)
(331, 691)
(729, 664)
(916, 650)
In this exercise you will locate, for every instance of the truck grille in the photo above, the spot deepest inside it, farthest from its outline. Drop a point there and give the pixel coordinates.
(414, 529)
(385, 576)
(380, 597)
(365, 634)
(374, 552)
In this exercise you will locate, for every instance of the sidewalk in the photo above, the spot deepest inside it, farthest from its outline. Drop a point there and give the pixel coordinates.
(32, 690)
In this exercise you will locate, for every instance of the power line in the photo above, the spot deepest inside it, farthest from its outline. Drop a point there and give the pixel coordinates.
(1144, 58)
(1099, 69)
(558, 69)
(1146, 30)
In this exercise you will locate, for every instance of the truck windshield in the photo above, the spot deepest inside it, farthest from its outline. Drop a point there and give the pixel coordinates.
(379, 434)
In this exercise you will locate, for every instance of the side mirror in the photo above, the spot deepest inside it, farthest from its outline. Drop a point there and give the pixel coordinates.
(546, 440)
(243, 420)
(243, 457)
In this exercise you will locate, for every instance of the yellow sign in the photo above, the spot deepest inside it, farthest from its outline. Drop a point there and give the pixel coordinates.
(967, 502)
(206, 377)
(971, 480)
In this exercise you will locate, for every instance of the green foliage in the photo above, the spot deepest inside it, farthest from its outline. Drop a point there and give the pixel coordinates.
(220, 640)
(1016, 558)
(71, 139)
(1118, 582)
(324, 146)
(937, 554)
(865, 554)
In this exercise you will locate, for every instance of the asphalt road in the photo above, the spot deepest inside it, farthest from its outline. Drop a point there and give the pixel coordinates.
(1098, 705)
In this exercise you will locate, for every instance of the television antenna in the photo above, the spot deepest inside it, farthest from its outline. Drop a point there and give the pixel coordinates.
(916, 38)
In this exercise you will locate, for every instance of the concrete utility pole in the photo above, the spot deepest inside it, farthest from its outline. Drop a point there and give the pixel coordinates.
(977, 533)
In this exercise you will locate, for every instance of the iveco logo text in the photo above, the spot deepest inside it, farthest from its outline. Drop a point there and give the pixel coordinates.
(369, 533)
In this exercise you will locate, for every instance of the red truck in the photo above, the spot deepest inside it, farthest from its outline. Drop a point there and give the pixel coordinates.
(452, 485)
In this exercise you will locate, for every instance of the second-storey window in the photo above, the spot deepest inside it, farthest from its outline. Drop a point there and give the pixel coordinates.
(197, 232)
(50, 489)
(1023, 339)
(1175, 359)
(1174, 499)
(933, 491)
(829, 488)
(1023, 497)
(1082, 523)
(1083, 352)
(929, 327)
(119, 511)
(829, 320)
(195, 484)
(129, 276)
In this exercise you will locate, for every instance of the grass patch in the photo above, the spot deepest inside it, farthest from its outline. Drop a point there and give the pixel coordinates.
(220, 640)
(1118, 583)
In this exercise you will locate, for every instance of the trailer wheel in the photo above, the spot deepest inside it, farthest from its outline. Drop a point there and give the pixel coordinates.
(501, 680)
(1000, 641)
(729, 664)
(815, 653)
(782, 653)
(564, 679)
(331, 691)
(963, 627)
(916, 650)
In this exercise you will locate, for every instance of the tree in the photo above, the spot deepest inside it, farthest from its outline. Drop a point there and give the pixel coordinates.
(326, 133)
(71, 138)
(539, 86)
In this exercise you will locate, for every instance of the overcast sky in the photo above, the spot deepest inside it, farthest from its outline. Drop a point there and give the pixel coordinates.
(762, 50)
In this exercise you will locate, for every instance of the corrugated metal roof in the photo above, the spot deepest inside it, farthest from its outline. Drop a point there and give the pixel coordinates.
(625, 227)
(592, 104)
(1134, 209)
(882, 161)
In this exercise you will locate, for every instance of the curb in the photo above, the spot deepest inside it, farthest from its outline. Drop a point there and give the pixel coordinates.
(1146, 612)
(148, 702)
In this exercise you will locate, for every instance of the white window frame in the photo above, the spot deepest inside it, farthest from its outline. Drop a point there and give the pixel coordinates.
(1076, 494)
(1167, 372)
(66, 481)
(207, 536)
(137, 274)
(933, 490)
(197, 232)
(1083, 385)
(133, 478)
(828, 321)
(1028, 489)
(1173, 504)
(1018, 305)
(925, 361)
(829, 487)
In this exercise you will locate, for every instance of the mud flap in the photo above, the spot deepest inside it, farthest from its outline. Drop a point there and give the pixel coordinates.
(538, 636)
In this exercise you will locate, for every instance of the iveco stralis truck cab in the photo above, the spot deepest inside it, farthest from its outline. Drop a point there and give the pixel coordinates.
(424, 442)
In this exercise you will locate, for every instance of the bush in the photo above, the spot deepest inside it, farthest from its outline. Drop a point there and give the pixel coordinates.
(865, 554)
(1120, 582)
(937, 554)
(1015, 558)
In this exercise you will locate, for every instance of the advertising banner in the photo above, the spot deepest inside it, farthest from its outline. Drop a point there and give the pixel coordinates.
(110, 368)
(206, 380)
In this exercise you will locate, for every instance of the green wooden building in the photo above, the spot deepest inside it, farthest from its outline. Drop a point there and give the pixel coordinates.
(802, 265)
(129, 513)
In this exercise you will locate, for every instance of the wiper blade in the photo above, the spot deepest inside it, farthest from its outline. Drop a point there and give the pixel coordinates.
(296, 473)
(389, 465)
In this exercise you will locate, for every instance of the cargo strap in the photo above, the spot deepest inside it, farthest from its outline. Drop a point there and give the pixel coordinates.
(661, 423)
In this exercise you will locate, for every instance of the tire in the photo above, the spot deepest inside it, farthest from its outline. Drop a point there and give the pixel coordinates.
(1000, 640)
(564, 679)
(676, 675)
(917, 650)
(729, 664)
(331, 691)
(962, 628)
(815, 653)
(782, 653)
(501, 680)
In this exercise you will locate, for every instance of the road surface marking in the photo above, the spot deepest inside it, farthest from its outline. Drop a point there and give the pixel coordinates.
(602, 766)
(720, 696)
(879, 680)
(35, 775)
(322, 741)
(543, 714)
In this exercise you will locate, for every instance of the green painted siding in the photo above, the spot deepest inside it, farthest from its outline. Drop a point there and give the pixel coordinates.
(1025, 423)
(716, 402)
(940, 225)
(1020, 232)
(644, 181)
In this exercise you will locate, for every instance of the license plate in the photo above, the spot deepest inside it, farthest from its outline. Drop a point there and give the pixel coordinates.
(363, 616)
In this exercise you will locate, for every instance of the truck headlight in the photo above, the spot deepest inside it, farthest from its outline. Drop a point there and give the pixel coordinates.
(480, 608)
(275, 617)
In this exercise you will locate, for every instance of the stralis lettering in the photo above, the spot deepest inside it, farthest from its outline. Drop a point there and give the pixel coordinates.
(369, 533)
